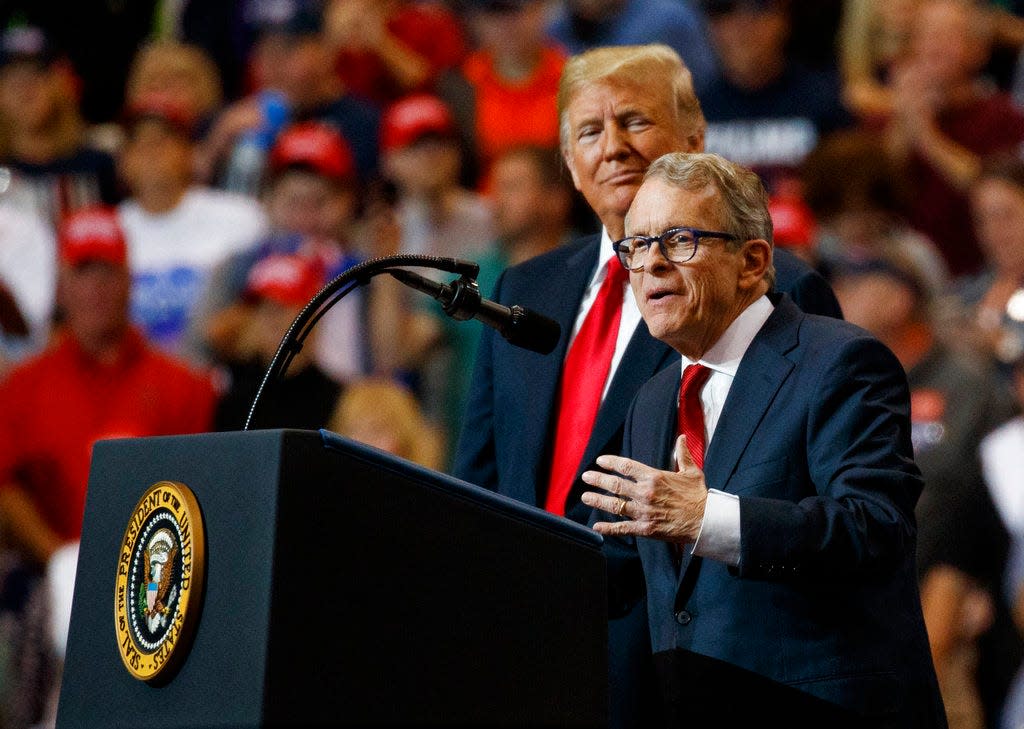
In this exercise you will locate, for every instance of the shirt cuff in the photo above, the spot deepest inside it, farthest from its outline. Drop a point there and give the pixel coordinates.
(719, 536)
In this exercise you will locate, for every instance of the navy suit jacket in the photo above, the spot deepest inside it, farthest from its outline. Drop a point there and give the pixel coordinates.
(509, 426)
(814, 438)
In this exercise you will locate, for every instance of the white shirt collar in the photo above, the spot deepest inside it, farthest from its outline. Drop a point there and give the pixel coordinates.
(725, 354)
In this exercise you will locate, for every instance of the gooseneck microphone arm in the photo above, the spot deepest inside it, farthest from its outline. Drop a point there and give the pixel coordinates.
(460, 300)
(332, 293)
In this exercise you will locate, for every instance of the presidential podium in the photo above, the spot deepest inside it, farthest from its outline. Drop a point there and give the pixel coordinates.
(324, 583)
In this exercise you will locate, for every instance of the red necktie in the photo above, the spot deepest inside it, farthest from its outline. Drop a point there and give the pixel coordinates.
(691, 412)
(584, 374)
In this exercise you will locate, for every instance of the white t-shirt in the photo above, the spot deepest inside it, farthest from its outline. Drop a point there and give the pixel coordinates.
(172, 254)
(28, 259)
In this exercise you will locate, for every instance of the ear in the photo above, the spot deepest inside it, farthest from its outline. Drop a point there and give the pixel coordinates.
(756, 259)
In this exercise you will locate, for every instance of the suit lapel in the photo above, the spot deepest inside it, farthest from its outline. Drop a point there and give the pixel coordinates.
(557, 296)
(762, 371)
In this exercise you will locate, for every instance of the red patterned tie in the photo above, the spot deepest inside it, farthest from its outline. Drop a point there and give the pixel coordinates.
(584, 374)
(691, 412)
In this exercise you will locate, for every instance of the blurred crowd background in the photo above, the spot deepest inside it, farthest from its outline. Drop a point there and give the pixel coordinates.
(178, 178)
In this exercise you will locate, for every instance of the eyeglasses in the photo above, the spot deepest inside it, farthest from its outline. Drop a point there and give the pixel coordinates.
(678, 245)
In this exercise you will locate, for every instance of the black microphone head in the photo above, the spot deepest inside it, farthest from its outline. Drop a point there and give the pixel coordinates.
(532, 331)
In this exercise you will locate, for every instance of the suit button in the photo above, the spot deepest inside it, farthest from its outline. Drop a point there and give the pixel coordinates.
(683, 617)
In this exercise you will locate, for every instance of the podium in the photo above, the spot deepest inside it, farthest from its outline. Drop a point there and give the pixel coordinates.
(342, 587)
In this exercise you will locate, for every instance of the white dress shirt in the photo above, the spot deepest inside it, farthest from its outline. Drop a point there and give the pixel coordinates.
(719, 536)
(630, 310)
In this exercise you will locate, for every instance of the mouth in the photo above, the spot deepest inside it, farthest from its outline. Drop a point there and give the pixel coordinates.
(625, 177)
(659, 294)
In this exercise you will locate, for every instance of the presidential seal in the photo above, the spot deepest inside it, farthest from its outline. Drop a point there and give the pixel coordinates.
(158, 591)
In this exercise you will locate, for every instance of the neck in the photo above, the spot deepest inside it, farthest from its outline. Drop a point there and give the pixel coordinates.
(159, 199)
(104, 347)
(615, 225)
(518, 66)
(437, 202)
(758, 76)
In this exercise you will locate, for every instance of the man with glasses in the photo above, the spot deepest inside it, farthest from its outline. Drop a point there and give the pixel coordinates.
(534, 423)
(768, 482)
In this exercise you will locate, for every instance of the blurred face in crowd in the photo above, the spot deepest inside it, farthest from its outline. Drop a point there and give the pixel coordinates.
(750, 42)
(304, 202)
(306, 70)
(522, 201)
(946, 43)
(616, 128)
(426, 168)
(268, 324)
(94, 297)
(998, 208)
(512, 32)
(157, 159)
(689, 305)
(877, 302)
(30, 92)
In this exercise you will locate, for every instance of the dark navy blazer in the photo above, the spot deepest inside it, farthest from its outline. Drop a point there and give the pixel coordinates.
(814, 438)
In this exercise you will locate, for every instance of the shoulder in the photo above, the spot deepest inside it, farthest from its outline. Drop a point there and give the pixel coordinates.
(816, 338)
(27, 376)
(553, 259)
(175, 375)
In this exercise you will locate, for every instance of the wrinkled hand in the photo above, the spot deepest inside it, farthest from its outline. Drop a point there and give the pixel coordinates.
(651, 503)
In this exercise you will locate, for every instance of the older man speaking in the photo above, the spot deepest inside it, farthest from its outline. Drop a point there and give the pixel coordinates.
(769, 481)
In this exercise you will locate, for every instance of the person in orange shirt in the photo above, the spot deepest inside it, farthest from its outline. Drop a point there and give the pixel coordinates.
(505, 94)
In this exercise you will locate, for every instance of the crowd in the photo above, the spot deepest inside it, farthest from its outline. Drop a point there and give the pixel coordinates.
(167, 208)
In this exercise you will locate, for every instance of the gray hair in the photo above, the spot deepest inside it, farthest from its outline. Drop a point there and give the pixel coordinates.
(743, 200)
(655, 65)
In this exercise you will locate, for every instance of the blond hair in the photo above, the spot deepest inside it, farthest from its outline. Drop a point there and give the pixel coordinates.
(654, 64)
(386, 407)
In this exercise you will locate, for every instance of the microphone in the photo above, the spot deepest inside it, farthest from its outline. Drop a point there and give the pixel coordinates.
(461, 300)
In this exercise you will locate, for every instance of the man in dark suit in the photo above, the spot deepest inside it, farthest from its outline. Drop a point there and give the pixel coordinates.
(779, 559)
(620, 109)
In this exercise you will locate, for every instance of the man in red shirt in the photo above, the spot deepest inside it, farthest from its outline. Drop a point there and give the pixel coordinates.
(99, 379)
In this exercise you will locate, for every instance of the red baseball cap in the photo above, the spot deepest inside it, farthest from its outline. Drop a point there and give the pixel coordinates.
(413, 117)
(92, 234)
(315, 145)
(793, 222)
(287, 279)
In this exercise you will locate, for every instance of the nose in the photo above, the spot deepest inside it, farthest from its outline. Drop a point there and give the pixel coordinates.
(616, 145)
(654, 260)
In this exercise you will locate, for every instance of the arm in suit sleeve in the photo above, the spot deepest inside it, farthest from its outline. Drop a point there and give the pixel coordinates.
(475, 459)
(862, 473)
